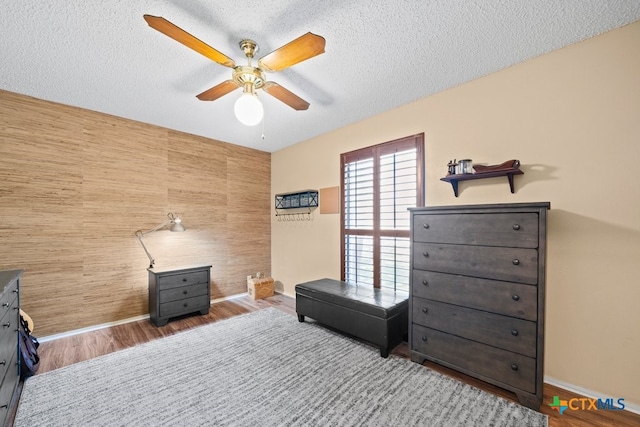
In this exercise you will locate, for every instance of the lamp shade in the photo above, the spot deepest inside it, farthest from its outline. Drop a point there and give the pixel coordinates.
(248, 109)
(176, 224)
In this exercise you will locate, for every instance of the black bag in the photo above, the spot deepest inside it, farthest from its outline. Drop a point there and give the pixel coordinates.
(29, 359)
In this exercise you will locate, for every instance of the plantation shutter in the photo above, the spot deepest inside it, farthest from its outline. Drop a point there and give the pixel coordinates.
(379, 183)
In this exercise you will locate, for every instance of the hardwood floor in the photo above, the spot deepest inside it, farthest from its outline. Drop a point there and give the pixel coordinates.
(66, 351)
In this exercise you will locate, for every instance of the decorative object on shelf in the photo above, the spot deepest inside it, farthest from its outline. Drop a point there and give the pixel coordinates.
(506, 166)
(464, 166)
(451, 167)
(303, 201)
(176, 225)
(508, 169)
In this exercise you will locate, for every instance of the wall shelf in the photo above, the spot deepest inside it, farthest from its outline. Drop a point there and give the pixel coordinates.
(298, 200)
(455, 178)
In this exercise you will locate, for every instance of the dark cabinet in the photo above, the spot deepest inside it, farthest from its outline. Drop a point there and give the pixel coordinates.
(478, 292)
(9, 356)
(177, 292)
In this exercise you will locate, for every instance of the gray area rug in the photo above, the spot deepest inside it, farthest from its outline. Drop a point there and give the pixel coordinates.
(259, 369)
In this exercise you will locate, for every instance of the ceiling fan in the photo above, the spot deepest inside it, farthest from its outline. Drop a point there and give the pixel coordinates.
(248, 108)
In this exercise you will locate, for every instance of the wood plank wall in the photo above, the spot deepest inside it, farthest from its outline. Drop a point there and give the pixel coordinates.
(75, 185)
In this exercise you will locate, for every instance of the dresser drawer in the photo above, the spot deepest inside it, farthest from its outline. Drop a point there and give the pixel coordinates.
(170, 281)
(184, 306)
(518, 230)
(7, 387)
(472, 357)
(8, 336)
(9, 296)
(183, 292)
(510, 264)
(510, 299)
(504, 332)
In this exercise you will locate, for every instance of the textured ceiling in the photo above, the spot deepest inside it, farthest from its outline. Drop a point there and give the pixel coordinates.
(380, 54)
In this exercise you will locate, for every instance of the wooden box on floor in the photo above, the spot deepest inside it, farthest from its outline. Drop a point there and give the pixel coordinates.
(260, 288)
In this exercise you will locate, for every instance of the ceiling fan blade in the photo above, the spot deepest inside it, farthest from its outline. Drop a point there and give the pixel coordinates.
(218, 91)
(286, 96)
(181, 36)
(298, 50)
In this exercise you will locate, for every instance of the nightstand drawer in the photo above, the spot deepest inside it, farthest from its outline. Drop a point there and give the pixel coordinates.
(183, 292)
(183, 279)
(184, 306)
(504, 332)
(518, 230)
(472, 357)
(509, 264)
(508, 298)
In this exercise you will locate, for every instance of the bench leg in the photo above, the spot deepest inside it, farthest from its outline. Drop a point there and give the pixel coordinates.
(384, 351)
(300, 318)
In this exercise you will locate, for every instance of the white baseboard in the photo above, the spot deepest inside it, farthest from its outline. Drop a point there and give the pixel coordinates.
(628, 406)
(118, 322)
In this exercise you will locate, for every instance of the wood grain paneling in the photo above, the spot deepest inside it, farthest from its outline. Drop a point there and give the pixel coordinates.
(76, 185)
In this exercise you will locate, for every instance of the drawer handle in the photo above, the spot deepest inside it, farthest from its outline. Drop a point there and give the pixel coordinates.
(6, 325)
(185, 305)
(514, 332)
(425, 310)
(5, 304)
(15, 291)
(516, 226)
(425, 254)
(185, 292)
(514, 367)
(4, 406)
(184, 279)
(516, 261)
(515, 297)
(425, 282)
(425, 226)
(4, 362)
(424, 338)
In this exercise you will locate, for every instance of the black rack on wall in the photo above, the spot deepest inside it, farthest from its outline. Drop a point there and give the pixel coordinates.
(304, 199)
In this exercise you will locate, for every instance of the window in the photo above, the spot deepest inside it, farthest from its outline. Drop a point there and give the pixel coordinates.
(379, 183)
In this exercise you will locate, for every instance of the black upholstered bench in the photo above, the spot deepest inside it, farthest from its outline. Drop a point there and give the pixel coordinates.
(378, 316)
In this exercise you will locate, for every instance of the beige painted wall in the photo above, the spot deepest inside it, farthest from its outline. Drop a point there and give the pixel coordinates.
(572, 117)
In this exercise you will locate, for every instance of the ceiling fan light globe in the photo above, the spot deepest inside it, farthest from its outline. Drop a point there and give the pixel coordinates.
(248, 109)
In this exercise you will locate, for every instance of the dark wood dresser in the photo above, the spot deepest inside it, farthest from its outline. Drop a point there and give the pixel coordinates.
(478, 292)
(177, 292)
(9, 315)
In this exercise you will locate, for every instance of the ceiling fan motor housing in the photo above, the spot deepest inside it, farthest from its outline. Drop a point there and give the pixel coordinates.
(244, 75)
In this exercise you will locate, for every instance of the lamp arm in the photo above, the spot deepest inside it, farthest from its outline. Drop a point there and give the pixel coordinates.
(173, 219)
(139, 235)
